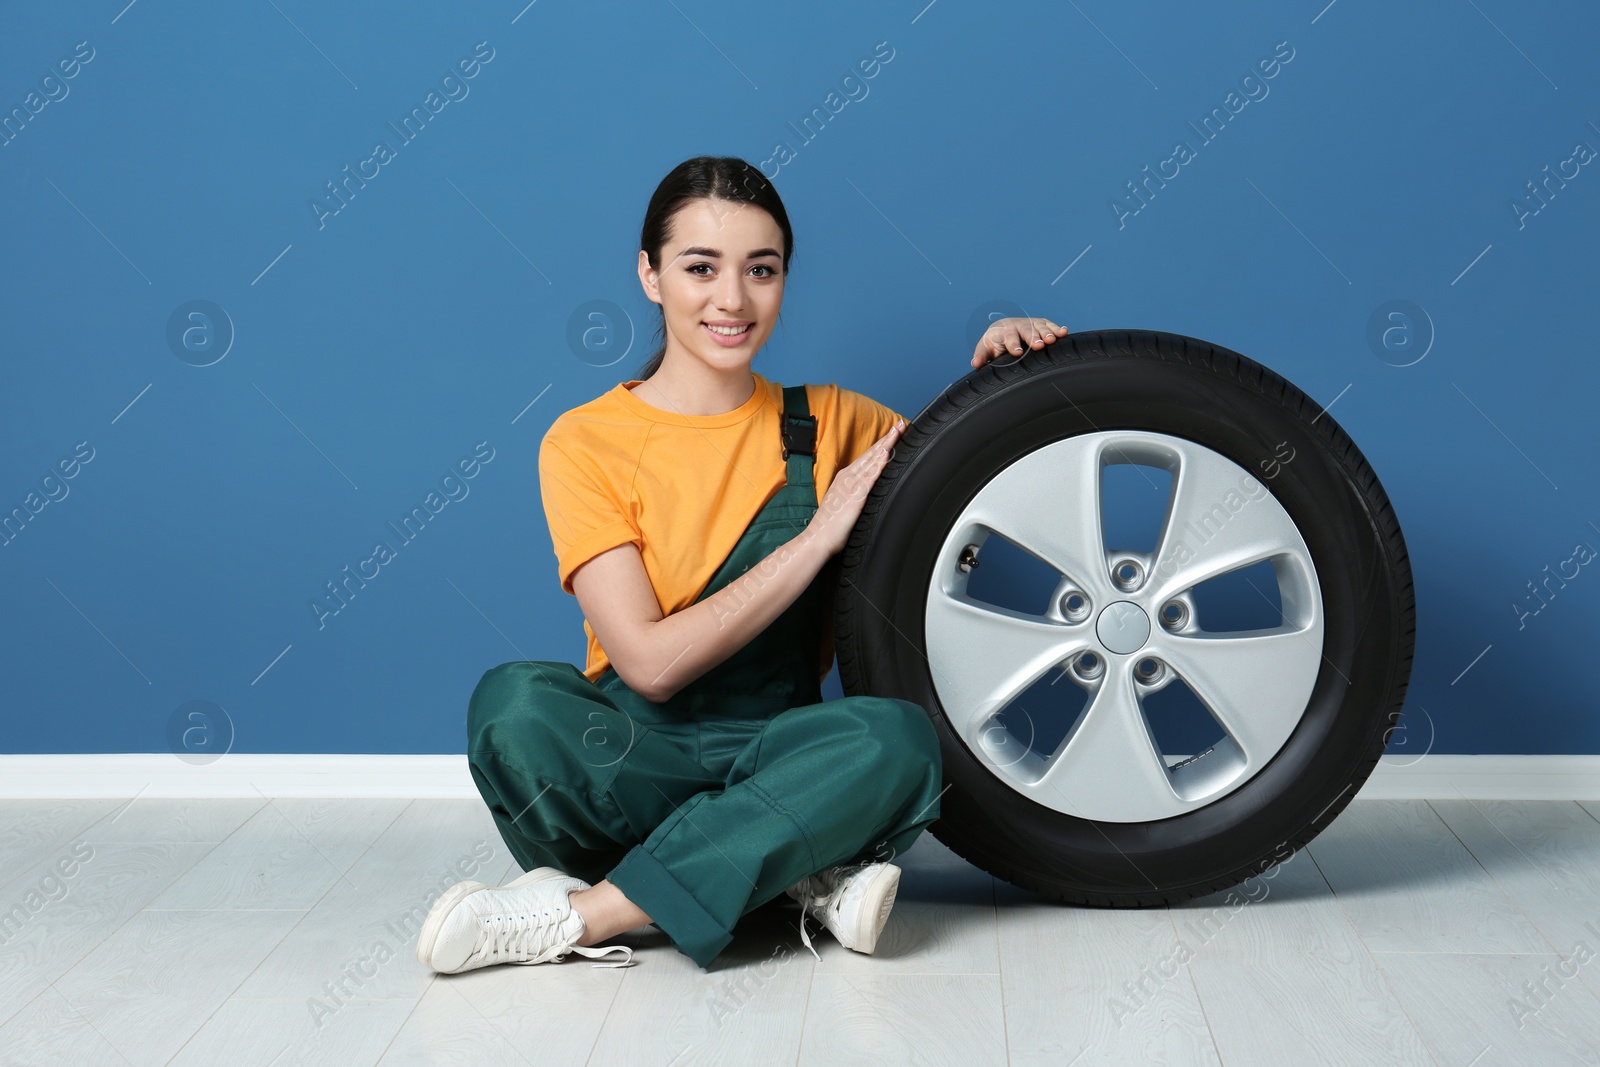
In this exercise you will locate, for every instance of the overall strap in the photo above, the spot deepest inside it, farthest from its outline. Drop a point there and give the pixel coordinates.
(799, 434)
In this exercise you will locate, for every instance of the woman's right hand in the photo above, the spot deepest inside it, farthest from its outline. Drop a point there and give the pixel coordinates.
(841, 506)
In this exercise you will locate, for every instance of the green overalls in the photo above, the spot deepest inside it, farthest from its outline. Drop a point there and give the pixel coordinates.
(706, 806)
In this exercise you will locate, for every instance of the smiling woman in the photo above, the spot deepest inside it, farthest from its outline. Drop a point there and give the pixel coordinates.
(696, 513)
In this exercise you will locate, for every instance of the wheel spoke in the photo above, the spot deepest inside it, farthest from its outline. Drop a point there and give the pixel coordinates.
(1219, 519)
(983, 656)
(1255, 682)
(1111, 761)
(1048, 502)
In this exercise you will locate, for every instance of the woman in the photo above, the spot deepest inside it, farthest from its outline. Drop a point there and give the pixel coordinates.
(692, 772)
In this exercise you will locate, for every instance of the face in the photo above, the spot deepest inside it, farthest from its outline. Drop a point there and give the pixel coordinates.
(721, 266)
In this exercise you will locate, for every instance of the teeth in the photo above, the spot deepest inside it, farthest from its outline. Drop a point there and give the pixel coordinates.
(727, 331)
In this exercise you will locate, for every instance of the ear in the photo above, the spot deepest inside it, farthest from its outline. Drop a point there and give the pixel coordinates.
(649, 278)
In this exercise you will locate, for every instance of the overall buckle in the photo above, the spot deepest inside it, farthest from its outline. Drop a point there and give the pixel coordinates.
(799, 434)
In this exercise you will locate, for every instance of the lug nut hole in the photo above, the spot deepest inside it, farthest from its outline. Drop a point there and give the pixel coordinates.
(1128, 575)
(1075, 606)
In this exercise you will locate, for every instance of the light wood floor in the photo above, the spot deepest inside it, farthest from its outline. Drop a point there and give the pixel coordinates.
(219, 932)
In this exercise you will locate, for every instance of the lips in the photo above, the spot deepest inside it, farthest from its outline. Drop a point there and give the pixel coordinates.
(728, 340)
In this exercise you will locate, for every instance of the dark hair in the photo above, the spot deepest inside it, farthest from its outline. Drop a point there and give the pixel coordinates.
(705, 177)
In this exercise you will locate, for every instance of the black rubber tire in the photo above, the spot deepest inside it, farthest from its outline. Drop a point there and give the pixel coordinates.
(1167, 383)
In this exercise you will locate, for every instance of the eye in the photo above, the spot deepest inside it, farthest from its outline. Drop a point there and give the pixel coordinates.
(694, 268)
(763, 266)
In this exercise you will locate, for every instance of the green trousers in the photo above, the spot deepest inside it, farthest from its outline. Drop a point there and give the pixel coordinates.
(703, 807)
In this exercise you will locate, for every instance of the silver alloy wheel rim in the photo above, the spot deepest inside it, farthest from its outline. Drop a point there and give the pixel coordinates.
(1256, 683)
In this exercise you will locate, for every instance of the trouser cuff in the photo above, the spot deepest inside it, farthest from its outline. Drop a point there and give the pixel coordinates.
(645, 881)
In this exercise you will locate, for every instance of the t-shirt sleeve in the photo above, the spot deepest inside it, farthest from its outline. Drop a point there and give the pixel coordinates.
(586, 514)
(862, 421)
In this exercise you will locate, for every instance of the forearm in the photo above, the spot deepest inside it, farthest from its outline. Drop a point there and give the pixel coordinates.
(691, 641)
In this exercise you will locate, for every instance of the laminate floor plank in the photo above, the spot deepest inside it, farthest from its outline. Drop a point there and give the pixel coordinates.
(359, 938)
(1544, 854)
(1283, 976)
(249, 1032)
(185, 819)
(1478, 1008)
(32, 831)
(1409, 885)
(66, 917)
(1092, 986)
(147, 988)
(544, 1014)
(924, 1019)
(50, 1032)
(271, 861)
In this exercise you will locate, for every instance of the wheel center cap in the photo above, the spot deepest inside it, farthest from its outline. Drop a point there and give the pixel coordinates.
(1123, 627)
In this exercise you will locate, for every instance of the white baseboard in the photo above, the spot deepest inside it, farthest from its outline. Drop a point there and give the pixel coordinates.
(1444, 777)
(158, 774)
(161, 774)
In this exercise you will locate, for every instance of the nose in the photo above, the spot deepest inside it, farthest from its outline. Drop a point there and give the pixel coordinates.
(730, 293)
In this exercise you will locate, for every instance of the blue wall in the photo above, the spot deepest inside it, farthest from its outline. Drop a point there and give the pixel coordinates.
(372, 349)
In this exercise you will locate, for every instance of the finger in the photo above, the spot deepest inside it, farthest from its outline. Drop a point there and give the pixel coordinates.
(1004, 341)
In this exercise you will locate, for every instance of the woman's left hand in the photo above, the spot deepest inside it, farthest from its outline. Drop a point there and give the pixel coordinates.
(1012, 335)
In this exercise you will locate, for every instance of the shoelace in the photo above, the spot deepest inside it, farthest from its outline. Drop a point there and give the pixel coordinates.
(835, 879)
(808, 899)
(506, 937)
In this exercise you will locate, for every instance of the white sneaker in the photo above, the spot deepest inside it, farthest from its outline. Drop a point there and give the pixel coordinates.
(851, 900)
(529, 920)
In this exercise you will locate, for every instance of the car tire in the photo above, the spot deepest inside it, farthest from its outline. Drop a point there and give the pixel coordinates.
(1016, 446)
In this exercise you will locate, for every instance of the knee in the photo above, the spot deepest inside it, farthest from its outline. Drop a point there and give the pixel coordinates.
(520, 699)
(908, 728)
(902, 735)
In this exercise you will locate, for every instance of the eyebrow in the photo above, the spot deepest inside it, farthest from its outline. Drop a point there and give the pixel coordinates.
(701, 250)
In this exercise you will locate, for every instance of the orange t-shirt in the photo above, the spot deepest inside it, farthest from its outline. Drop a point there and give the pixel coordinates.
(683, 487)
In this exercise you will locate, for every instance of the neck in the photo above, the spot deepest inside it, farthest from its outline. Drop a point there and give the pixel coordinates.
(690, 387)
